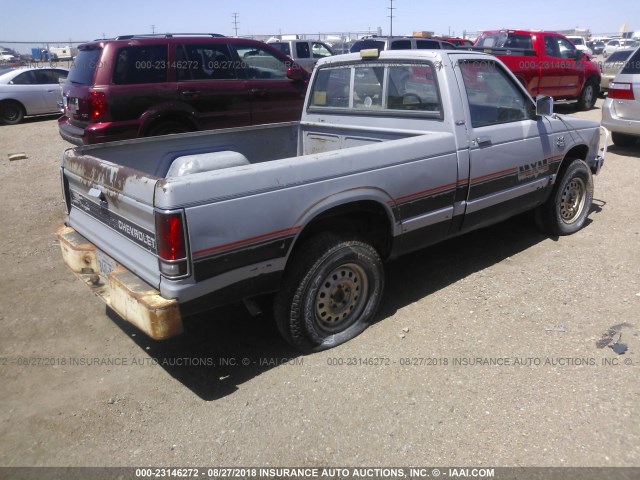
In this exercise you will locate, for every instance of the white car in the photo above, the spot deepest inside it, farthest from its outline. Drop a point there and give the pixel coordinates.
(29, 91)
(580, 44)
(615, 44)
(621, 109)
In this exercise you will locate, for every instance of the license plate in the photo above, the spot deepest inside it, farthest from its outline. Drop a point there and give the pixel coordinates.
(106, 265)
(71, 104)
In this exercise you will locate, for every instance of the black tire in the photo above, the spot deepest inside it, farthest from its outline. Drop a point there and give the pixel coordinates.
(622, 140)
(167, 127)
(589, 95)
(11, 112)
(330, 294)
(566, 210)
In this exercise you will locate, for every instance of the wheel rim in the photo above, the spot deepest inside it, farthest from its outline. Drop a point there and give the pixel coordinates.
(573, 200)
(588, 95)
(10, 113)
(341, 297)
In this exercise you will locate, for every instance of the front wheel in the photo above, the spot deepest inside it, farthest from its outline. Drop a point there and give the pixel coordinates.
(589, 95)
(566, 210)
(330, 294)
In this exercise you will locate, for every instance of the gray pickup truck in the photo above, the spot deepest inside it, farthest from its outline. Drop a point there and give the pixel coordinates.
(396, 150)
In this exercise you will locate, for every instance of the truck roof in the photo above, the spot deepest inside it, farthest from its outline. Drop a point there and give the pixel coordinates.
(399, 55)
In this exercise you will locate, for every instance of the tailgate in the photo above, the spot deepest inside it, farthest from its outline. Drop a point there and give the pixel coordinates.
(112, 206)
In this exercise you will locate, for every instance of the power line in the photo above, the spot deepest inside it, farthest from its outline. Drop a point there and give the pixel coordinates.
(391, 9)
(235, 22)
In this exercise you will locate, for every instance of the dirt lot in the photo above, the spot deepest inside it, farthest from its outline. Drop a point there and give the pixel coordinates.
(80, 388)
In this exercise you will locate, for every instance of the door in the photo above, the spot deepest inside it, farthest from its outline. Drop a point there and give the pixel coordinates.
(560, 71)
(210, 82)
(273, 96)
(510, 150)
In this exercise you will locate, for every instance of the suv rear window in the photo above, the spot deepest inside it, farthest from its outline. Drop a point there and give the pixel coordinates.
(146, 64)
(84, 66)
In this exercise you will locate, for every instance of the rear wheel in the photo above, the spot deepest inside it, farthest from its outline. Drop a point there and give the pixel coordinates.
(622, 140)
(566, 210)
(11, 112)
(330, 294)
(168, 127)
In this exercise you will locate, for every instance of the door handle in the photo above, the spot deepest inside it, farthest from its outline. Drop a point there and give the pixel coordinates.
(483, 139)
(190, 93)
(258, 92)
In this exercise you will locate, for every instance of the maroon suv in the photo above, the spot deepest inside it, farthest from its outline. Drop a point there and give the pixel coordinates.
(136, 86)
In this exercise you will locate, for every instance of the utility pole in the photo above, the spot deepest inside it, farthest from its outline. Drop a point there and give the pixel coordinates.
(153, 29)
(391, 9)
(235, 22)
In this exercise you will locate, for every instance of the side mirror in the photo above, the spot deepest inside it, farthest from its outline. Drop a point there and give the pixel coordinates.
(544, 106)
(295, 73)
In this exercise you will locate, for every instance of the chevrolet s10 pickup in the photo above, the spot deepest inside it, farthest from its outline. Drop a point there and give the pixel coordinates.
(395, 151)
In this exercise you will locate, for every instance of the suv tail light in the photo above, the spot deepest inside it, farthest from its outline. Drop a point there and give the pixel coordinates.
(98, 105)
(621, 91)
(171, 238)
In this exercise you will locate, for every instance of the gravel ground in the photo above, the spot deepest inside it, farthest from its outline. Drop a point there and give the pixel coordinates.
(413, 389)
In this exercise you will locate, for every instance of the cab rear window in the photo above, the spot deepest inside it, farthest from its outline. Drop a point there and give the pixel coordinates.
(84, 66)
(633, 64)
(373, 88)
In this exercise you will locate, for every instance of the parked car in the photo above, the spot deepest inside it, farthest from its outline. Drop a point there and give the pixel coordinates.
(580, 44)
(137, 86)
(401, 43)
(597, 46)
(621, 109)
(612, 65)
(305, 53)
(613, 45)
(29, 91)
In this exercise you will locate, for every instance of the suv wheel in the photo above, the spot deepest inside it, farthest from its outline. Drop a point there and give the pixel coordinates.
(167, 127)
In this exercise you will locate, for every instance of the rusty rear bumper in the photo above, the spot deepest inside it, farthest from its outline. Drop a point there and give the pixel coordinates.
(133, 299)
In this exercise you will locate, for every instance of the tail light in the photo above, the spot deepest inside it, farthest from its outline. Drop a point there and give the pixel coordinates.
(621, 91)
(171, 242)
(98, 105)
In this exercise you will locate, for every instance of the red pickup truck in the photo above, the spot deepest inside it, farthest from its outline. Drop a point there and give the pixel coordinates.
(546, 63)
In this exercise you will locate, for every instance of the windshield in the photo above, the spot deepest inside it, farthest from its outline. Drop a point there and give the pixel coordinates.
(84, 66)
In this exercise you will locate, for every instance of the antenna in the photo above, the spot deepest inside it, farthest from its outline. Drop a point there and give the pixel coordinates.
(235, 22)
(391, 9)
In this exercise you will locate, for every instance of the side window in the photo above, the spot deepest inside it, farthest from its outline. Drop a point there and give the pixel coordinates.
(48, 76)
(367, 87)
(331, 88)
(401, 45)
(493, 97)
(427, 44)
(302, 50)
(413, 88)
(261, 64)
(320, 50)
(567, 49)
(551, 47)
(26, 78)
(204, 62)
(136, 65)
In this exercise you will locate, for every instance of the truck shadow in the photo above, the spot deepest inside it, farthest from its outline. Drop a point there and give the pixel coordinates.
(226, 347)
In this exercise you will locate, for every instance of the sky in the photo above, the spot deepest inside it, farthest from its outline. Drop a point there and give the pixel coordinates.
(63, 21)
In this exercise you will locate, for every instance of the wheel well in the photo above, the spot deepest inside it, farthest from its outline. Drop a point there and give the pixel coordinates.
(10, 100)
(183, 119)
(368, 220)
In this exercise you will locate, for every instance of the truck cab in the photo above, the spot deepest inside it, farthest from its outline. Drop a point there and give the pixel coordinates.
(305, 53)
